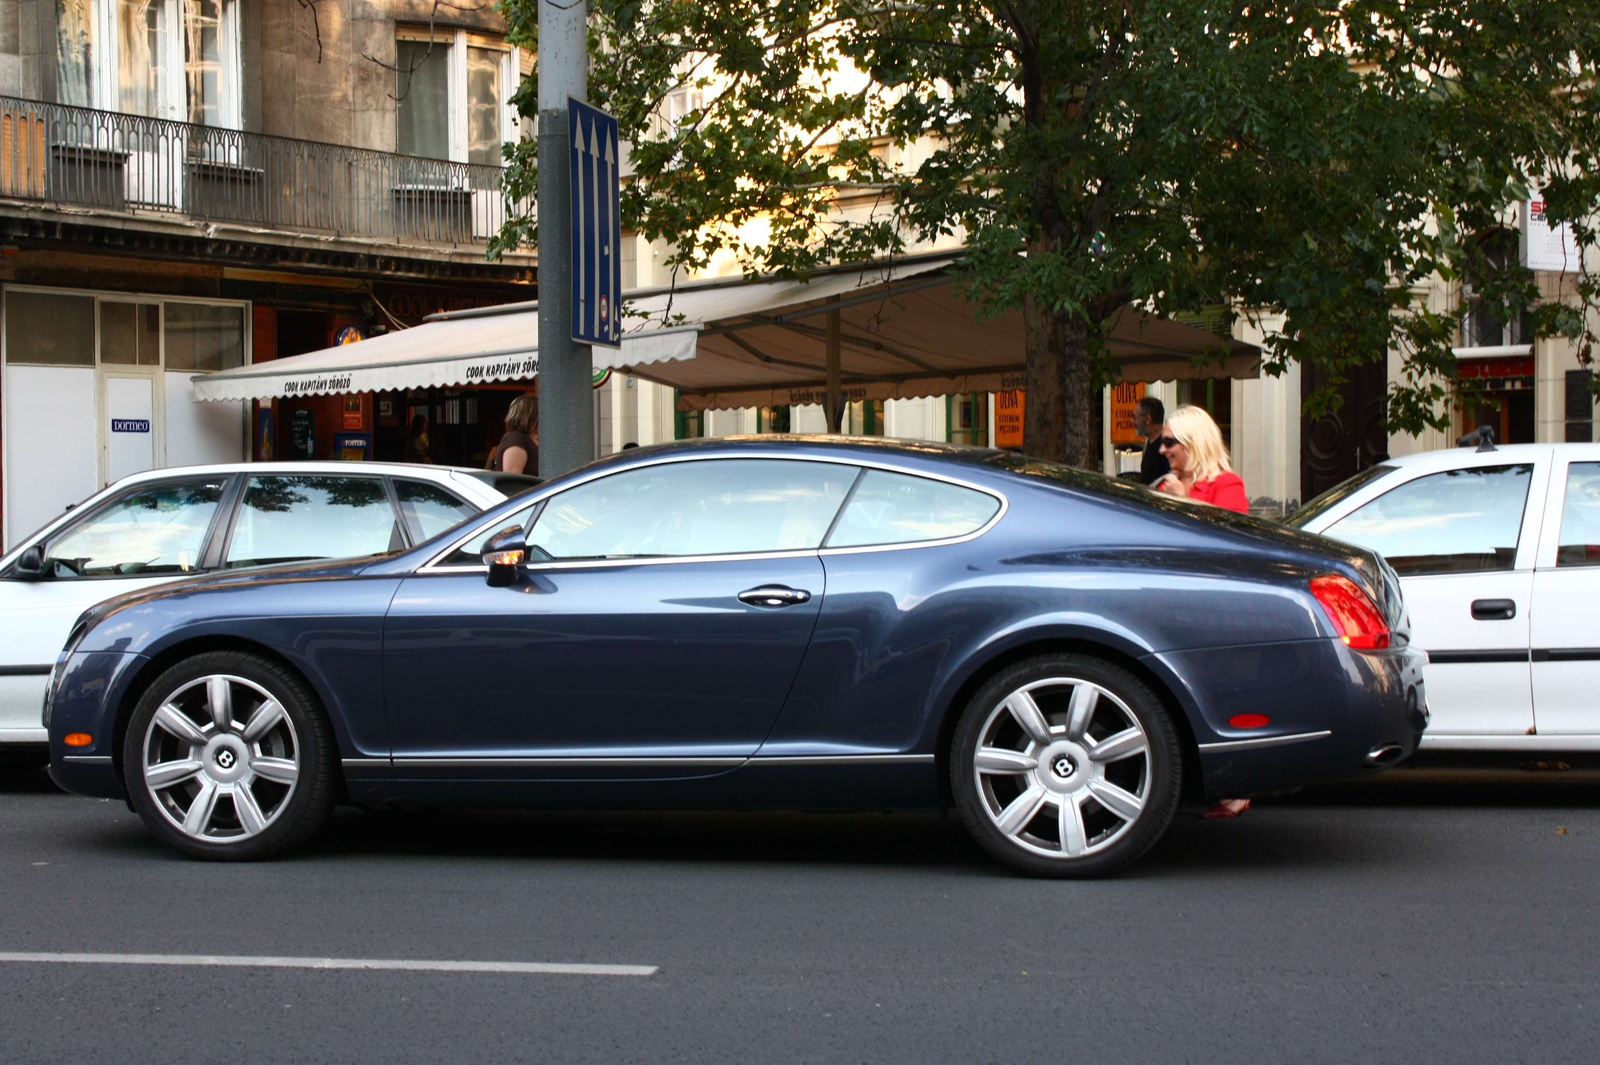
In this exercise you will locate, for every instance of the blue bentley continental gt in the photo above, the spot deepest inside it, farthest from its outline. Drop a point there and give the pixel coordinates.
(760, 622)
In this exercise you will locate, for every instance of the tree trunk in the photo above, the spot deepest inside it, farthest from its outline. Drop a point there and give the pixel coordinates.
(1062, 419)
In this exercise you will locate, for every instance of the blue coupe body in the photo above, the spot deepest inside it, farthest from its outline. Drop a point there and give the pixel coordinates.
(653, 676)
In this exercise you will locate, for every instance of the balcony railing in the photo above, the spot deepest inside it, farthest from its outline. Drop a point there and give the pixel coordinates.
(128, 163)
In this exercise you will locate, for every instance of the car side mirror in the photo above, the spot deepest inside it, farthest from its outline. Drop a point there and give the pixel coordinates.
(30, 565)
(505, 552)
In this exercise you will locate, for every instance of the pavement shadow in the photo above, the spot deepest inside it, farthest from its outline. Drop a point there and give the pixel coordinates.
(23, 774)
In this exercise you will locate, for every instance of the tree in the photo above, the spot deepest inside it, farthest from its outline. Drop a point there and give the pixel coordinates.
(1319, 161)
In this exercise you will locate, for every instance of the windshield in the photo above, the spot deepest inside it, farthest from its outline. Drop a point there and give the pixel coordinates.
(1337, 494)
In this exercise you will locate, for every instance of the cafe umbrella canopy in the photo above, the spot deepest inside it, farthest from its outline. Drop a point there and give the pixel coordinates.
(894, 329)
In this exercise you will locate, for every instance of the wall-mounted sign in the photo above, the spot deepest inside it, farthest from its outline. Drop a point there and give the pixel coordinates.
(130, 425)
(1546, 247)
(1124, 405)
(1009, 408)
(350, 334)
(303, 434)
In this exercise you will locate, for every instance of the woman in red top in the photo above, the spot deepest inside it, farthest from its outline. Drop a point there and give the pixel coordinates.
(1193, 445)
(1200, 470)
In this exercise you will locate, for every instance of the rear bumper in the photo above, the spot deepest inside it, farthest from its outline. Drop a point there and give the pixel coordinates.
(1334, 714)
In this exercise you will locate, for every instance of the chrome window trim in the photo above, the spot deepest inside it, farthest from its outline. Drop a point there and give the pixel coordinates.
(1265, 741)
(434, 564)
(842, 759)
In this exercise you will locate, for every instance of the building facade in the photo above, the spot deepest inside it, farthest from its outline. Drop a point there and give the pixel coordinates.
(189, 185)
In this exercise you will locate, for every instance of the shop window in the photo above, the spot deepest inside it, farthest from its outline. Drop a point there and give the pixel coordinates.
(204, 336)
(49, 329)
(298, 519)
(1459, 521)
(159, 529)
(1214, 397)
(1579, 406)
(717, 507)
(896, 508)
(453, 92)
(176, 59)
(130, 334)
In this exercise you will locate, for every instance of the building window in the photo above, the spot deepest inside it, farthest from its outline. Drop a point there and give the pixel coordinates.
(58, 329)
(1494, 327)
(453, 91)
(177, 59)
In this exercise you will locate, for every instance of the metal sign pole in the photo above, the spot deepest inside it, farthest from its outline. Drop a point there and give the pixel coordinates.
(566, 405)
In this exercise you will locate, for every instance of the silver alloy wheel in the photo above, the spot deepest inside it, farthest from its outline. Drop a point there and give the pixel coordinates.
(221, 759)
(1062, 767)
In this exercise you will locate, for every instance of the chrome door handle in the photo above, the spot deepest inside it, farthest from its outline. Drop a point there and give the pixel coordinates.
(774, 595)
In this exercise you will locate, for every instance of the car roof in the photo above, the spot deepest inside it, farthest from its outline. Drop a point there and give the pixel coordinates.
(394, 469)
(1450, 458)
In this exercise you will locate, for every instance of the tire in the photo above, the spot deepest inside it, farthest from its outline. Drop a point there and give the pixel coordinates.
(1065, 765)
(215, 772)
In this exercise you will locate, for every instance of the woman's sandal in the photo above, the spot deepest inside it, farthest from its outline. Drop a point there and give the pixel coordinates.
(1227, 808)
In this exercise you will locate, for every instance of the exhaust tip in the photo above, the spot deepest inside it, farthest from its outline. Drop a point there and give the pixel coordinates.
(1383, 755)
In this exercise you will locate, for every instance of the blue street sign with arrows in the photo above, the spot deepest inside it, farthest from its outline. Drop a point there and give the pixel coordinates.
(596, 232)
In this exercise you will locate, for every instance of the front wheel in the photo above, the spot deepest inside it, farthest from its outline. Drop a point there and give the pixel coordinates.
(1066, 766)
(228, 756)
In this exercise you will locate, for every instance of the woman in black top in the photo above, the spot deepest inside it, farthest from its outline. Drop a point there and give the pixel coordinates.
(518, 450)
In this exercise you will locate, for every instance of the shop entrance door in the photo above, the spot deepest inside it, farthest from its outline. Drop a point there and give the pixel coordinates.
(128, 425)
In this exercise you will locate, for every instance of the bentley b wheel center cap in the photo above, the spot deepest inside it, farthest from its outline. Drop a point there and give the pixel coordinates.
(1063, 766)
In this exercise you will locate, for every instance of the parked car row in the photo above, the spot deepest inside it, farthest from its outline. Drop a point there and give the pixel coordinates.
(776, 621)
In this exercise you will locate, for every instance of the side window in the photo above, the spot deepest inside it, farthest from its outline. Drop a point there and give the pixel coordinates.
(471, 552)
(897, 508)
(297, 519)
(1458, 521)
(429, 510)
(711, 507)
(1580, 517)
(159, 529)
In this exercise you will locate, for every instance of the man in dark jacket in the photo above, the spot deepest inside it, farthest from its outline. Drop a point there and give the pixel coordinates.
(1150, 419)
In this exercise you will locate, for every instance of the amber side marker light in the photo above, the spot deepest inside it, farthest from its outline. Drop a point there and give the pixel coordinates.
(77, 739)
(1249, 720)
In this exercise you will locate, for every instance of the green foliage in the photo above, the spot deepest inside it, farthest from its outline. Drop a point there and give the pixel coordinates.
(1314, 161)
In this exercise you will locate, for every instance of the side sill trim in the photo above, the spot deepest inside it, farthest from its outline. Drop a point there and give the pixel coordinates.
(25, 671)
(87, 759)
(776, 760)
(843, 759)
(1265, 741)
(508, 763)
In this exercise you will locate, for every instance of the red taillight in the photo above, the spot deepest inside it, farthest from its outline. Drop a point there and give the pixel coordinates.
(1354, 615)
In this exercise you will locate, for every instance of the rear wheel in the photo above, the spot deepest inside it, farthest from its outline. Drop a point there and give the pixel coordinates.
(1066, 766)
(228, 757)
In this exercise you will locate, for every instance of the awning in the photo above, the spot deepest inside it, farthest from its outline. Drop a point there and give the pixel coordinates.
(906, 329)
(500, 347)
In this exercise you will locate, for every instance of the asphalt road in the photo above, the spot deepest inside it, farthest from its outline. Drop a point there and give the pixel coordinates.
(1431, 917)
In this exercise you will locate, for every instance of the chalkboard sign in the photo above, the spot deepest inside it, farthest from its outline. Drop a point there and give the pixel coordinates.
(303, 434)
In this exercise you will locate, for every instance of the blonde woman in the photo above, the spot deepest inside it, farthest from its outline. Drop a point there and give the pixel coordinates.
(1193, 445)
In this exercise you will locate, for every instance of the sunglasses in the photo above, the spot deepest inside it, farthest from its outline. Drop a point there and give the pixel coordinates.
(1168, 441)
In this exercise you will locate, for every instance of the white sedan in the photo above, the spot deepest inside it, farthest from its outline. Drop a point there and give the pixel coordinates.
(165, 524)
(1498, 552)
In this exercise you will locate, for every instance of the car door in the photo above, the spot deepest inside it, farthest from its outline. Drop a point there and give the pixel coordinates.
(657, 628)
(153, 532)
(1463, 541)
(1564, 633)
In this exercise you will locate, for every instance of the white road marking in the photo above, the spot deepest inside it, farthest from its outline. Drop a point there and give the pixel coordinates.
(398, 964)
